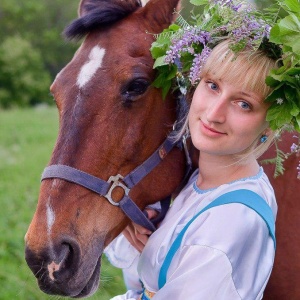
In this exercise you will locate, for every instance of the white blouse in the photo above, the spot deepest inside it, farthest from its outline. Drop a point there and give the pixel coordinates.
(226, 253)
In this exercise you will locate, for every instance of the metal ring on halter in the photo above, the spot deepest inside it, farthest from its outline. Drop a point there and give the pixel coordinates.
(116, 183)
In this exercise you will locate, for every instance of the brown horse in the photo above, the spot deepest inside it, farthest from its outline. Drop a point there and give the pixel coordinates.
(285, 277)
(112, 121)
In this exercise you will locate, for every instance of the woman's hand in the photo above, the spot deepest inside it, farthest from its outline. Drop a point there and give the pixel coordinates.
(138, 235)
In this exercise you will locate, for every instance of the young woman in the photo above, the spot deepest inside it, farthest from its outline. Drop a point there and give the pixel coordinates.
(226, 251)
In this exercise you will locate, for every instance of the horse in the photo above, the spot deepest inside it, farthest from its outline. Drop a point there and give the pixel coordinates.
(113, 154)
(284, 280)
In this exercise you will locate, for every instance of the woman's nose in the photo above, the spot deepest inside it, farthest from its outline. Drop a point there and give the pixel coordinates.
(216, 111)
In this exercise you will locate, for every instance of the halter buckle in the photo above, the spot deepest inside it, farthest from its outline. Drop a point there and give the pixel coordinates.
(116, 183)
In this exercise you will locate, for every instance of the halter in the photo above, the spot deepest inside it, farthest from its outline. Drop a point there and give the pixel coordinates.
(105, 188)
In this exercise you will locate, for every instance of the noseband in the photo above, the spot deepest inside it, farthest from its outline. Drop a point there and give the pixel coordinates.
(105, 188)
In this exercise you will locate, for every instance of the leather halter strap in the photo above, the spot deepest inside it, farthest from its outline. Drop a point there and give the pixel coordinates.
(105, 188)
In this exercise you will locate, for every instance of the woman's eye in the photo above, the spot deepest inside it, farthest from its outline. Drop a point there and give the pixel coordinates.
(213, 86)
(244, 105)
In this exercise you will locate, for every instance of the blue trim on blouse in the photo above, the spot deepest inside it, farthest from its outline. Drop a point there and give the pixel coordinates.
(199, 191)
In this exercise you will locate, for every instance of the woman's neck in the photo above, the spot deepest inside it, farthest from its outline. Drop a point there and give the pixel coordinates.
(215, 170)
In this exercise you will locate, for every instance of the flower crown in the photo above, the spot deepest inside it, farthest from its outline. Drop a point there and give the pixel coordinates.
(181, 51)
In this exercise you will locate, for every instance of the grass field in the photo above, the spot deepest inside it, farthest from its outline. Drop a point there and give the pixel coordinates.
(26, 141)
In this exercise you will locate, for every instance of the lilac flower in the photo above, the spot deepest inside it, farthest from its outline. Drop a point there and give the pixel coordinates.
(251, 30)
(228, 3)
(294, 148)
(185, 43)
(198, 63)
(267, 30)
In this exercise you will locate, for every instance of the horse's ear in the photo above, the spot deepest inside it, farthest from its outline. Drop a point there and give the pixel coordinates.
(144, 2)
(160, 13)
(86, 6)
(81, 9)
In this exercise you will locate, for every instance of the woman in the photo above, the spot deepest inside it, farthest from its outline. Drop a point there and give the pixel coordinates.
(227, 251)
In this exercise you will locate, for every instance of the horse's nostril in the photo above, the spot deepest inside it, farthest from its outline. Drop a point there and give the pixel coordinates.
(66, 261)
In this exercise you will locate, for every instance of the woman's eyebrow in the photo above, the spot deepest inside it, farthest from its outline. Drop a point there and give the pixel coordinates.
(251, 95)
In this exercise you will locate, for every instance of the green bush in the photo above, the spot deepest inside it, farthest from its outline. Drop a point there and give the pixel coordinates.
(23, 78)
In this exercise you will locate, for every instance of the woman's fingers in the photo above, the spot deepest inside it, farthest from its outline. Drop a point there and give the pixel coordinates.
(137, 240)
(152, 213)
(138, 235)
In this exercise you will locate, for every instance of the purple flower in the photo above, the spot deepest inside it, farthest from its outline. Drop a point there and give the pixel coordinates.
(298, 168)
(228, 3)
(198, 63)
(185, 43)
(267, 31)
(250, 31)
(294, 148)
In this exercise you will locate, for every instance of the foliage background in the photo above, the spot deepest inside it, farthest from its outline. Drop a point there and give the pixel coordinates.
(32, 48)
(32, 51)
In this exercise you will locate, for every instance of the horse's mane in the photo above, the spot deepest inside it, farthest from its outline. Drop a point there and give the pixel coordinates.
(100, 13)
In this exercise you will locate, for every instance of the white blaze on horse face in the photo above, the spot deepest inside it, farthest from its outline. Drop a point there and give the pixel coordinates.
(89, 69)
(50, 218)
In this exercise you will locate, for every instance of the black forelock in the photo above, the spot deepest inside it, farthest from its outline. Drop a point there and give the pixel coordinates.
(99, 13)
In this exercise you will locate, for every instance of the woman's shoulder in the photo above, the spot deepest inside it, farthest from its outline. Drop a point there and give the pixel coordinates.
(258, 184)
(235, 221)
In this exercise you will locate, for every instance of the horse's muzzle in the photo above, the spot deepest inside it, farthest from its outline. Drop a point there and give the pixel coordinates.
(61, 271)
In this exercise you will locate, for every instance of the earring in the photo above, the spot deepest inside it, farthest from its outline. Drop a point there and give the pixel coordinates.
(264, 138)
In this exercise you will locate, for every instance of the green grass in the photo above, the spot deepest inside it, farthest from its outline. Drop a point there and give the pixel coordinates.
(27, 138)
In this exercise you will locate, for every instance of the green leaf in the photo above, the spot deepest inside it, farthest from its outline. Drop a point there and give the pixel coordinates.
(295, 111)
(297, 124)
(287, 31)
(199, 2)
(157, 52)
(160, 61)
(278, 116)
(166, 88)
(172, 72)
(160, 79)
(271, 81)
(293, 5)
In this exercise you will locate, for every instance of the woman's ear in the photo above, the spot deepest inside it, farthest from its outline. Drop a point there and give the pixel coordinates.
(267, 131)
(265, 135)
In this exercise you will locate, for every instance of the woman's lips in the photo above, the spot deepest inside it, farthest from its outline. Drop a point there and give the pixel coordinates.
(211, 130)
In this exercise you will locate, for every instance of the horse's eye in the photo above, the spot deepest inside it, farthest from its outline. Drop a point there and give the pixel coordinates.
(134, 89)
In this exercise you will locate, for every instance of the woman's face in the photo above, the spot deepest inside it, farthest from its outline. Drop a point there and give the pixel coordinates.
(224, 119)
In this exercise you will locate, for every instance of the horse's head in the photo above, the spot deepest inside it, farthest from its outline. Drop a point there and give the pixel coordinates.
(111, 121)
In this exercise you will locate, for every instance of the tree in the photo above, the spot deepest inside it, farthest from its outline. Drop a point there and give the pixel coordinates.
(23, 80)
(31, 36)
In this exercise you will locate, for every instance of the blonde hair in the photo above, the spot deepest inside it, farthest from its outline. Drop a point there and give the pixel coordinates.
(246, 69)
